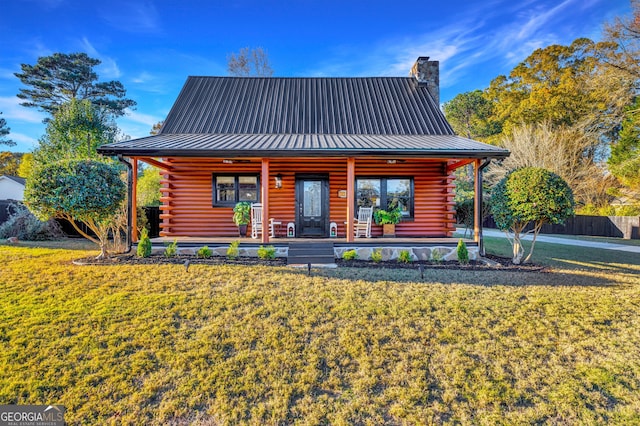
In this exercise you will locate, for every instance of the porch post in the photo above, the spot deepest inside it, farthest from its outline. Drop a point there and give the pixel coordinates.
(351, 196)
(477, 215)
(477, 204)
(264, 178)
(134, 201)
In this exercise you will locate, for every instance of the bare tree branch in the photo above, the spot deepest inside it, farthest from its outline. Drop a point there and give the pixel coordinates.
(249, 63)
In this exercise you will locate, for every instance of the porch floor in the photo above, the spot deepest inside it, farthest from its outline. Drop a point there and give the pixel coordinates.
(364, 242)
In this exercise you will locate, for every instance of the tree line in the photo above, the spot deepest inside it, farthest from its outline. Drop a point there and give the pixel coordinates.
(67, 178)
(570, 109)
(61, 79)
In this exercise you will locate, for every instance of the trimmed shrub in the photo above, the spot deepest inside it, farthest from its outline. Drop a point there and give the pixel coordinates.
(530, 195)
(463, 253)
(267, 253)
(172, 249)
(90, 192)
(233, 251)
(350, 255)
(436, 256)
(376, 255)
(204, 252)
(144, 245)
(23, 225)
(405, 256)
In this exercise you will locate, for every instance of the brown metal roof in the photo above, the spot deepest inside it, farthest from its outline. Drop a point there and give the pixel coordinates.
(274, 117)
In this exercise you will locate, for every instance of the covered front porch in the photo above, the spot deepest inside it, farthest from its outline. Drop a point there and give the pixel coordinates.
(187, 212)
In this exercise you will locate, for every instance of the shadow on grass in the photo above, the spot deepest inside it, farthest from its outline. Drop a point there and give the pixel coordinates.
(62, 244)
(566, 267)
(472, 277)
(600, 266)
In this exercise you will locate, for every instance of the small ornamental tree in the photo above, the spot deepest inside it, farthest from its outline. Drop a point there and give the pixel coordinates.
(77, 129)
(90, 192)
(530, 195)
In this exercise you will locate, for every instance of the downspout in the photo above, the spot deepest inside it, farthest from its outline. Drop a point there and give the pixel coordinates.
(478, 210)
(129, 198)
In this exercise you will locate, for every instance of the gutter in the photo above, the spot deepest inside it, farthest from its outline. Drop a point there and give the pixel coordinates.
(129, 204)
(323, 153)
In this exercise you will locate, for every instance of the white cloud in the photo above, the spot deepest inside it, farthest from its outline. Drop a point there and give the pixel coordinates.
(146, 119)
(497, 34)
(108, 69)
(135, 131)
(135, 16)
(12, 110)
(88, 47)
(151, 83)
(36, 48)
(23, 140)
(453, 45)
(142, 78)
(6, 73)
(538, 19)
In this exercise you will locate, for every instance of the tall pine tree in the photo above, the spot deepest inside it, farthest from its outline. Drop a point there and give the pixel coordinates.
(57, 79)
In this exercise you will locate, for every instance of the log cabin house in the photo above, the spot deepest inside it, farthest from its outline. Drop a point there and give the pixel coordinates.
(311, 151)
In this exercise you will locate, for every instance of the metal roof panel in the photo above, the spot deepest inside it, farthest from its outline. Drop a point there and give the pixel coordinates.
(279, 145)
(373, 105)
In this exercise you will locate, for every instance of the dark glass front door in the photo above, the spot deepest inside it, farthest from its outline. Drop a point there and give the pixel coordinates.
(312, 198)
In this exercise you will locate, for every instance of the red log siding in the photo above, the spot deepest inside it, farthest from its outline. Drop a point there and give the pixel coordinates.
(187, 194)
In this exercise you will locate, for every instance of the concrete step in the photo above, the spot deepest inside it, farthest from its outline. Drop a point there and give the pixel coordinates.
(314, 253)
(303, 260)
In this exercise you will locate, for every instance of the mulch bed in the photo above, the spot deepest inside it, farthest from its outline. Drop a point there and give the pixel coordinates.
(132, 259)
(496, 263)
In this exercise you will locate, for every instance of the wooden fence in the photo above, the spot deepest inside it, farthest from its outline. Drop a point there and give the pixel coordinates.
(627, 227)
(153, 220)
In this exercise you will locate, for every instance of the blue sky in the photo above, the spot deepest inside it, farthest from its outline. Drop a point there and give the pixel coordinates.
(151, 46)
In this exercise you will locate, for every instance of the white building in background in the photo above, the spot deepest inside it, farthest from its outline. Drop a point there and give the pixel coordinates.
(12, 188)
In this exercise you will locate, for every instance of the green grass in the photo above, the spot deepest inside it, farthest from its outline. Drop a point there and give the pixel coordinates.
(155, 344)
(610, 240)
(572, 257)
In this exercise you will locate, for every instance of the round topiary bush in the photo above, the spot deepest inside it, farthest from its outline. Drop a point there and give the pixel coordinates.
(530, 195)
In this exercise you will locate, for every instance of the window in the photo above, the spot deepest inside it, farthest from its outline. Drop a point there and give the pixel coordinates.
(230, 189)
(385, 193)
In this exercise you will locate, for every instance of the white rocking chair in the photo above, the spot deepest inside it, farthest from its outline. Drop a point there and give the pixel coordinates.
(256, 220)
(362, 226)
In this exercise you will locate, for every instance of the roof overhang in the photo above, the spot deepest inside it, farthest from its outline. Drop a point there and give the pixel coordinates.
(303, 145)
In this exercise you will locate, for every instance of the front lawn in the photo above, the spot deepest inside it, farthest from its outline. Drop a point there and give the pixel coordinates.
(154, 344)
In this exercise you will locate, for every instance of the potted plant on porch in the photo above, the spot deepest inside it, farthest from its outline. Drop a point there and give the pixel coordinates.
(242, 216)
(388, 219)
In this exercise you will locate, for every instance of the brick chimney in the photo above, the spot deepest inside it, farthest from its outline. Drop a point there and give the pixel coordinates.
(427, 73)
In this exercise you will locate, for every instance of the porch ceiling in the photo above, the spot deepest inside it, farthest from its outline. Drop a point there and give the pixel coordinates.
(303, 145)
